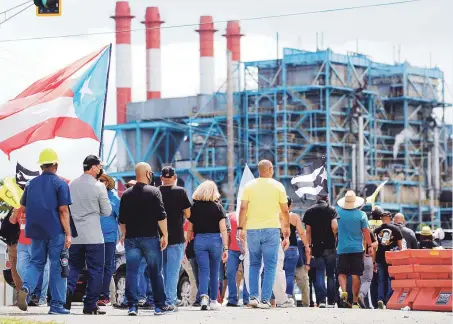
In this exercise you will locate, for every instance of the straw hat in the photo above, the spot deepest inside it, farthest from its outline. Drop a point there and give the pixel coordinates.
(350, 201)
(109, 182)
(426, 231)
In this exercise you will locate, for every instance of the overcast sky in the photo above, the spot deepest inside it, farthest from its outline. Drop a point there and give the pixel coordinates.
(423, 29)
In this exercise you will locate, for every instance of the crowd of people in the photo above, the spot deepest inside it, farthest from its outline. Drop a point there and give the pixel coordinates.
(333, 253)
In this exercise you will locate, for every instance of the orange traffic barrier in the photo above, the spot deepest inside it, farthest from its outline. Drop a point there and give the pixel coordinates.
(422, 279)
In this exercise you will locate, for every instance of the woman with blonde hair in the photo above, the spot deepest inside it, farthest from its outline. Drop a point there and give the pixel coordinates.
(208, 224)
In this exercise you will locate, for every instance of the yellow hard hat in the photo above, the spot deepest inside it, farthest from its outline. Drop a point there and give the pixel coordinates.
(48, 156)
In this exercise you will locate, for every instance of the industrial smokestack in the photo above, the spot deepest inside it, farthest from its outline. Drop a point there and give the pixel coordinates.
(233, 36)
(207, 64)
(123, 63)
(153, 57)
(123, 19)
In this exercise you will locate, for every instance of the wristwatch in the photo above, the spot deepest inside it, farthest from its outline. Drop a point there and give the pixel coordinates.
(225, 249)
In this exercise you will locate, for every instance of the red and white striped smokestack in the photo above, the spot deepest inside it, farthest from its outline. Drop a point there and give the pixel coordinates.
(153, 57)
(233, 36)
(207, 64)
(123, 19)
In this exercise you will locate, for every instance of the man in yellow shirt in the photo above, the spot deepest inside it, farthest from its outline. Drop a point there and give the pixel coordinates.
(262, 202)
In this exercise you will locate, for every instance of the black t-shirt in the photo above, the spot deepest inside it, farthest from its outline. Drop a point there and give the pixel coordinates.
(319, 217)
(141, 208)
(387, 236)
(175, 201)
(427, 244)
(205, 216)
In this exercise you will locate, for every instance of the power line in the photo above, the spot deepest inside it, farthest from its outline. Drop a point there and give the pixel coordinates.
(17, 13)
(217, 22)
(20, 5)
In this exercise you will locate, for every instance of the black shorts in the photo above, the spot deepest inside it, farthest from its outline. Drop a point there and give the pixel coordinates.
(351, 264)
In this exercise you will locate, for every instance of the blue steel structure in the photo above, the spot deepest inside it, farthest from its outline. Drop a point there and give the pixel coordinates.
(302, 107)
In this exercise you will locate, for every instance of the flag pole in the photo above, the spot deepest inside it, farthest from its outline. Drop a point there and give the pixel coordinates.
(105, 102)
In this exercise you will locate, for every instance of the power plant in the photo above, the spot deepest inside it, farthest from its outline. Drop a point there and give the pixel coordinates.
(370, 121)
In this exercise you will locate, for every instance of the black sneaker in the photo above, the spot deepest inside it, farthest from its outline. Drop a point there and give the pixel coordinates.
(148, 306)
(94, 311)
(120, 306)
(196, 304)
(232, 305)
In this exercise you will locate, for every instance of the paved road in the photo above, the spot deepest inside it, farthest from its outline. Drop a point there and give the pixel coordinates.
(241, 316)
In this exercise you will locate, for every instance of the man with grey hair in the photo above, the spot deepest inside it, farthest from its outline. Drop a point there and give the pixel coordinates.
(409, 239)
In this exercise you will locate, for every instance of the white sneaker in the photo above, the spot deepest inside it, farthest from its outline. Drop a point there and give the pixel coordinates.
(204, 303)
(254, 303)
(215, 305)
(265, 305)
(289, 303)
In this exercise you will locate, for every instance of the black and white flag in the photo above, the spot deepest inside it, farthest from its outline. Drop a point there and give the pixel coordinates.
(23, 175)
(312, 181)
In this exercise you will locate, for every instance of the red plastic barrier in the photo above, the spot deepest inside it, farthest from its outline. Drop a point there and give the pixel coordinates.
(422, 279)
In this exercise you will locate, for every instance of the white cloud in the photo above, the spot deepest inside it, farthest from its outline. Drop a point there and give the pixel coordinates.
(22, 63)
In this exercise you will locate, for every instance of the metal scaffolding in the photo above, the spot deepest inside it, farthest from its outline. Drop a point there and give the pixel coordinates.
(371, 121)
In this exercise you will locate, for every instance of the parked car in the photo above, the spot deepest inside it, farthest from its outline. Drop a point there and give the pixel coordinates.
(118, 285)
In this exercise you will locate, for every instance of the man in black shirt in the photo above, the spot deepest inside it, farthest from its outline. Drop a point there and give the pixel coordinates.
(141, 213)
(321, 225)
(177, 206)
(389, 238)
(409, 239)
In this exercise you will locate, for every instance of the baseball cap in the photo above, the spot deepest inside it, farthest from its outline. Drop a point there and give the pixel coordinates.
(91, 160)
(386, 214)
(168, 172)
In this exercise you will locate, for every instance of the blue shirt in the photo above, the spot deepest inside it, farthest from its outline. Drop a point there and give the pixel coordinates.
(109, 224)
(350, 225)
(42, 197)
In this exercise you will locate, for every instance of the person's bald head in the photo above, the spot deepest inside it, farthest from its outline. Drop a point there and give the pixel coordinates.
(265, 169)
(399, 219)
(143, 172)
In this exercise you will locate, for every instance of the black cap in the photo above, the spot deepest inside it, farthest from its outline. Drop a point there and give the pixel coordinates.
(386, 214)
(168, 172)
(91, 160)
(377, 212)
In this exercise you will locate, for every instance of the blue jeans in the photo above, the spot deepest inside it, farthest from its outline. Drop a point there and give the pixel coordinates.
(289, 265)
(144, 285)
(194, 265)
(263, 245)
(232, 269)
(148, 248)
(173, 256)
(208, 251)
(325, 264)
(109, 269)
(384, 282)
(41, 251)
(23, 260)
(91, 256)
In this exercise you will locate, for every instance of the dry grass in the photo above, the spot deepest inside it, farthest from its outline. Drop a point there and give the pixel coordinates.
(14, 320)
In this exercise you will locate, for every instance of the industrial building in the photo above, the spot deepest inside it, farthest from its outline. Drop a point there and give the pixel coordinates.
(371, 122)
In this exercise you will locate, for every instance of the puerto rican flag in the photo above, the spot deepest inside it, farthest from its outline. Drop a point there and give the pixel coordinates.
(63, 111)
